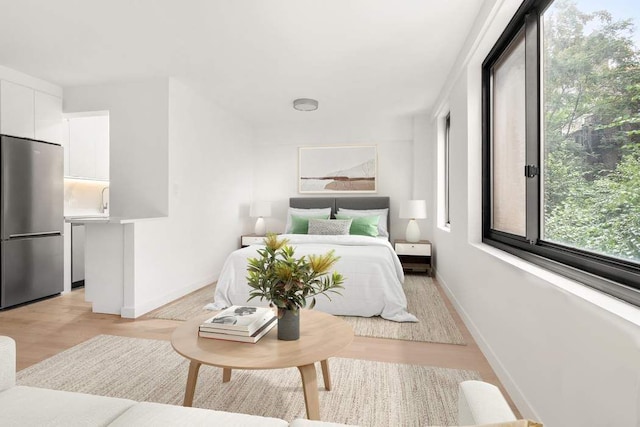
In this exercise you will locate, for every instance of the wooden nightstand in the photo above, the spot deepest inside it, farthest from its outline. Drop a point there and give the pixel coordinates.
(250, 239)
(414, 256)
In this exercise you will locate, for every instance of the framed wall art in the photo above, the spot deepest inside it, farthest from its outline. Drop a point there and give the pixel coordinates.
(347, 169)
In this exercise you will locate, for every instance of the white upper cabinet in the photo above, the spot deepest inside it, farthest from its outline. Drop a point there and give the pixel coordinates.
(65, 145)
(16, 110)
(48, 117)
(82, 161)
(29, 113)
(88, 147)
(102, 149)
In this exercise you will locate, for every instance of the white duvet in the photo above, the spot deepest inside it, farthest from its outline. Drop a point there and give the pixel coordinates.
(373, 277)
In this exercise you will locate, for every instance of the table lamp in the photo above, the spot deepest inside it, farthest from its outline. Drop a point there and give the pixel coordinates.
(260, 210)
(412, 210)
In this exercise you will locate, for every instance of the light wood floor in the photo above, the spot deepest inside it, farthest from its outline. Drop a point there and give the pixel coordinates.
(48, 327)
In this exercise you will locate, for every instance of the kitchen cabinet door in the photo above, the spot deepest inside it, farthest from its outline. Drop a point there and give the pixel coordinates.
(89, 147)
(77, 255)
(16, 110)
(82, 159)
(102, 147)
(48, 117)
(65, 144)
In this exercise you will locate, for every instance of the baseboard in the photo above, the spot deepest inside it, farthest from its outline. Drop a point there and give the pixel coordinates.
(502, 373)
(139, 310)
(105, 309)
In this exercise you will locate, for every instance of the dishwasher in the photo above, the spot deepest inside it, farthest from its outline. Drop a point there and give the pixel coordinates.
(77, 255)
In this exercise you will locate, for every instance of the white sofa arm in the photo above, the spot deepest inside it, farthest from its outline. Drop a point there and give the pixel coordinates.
(7, 363)
(482, 403)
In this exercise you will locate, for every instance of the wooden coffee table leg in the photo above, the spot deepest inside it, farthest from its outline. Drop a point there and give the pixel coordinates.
(194, 367)
(325, 374)
(310, 387)
(226, 375)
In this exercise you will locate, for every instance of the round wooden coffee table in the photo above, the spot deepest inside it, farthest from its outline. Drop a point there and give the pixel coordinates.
(321, 336)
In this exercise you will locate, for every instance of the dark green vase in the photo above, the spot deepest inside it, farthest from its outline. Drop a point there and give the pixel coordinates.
(289, 326)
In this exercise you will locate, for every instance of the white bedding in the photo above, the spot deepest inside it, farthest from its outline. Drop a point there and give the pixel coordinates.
(373, 277)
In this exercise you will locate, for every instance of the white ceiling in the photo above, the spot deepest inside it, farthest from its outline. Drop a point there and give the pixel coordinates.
(253, 57)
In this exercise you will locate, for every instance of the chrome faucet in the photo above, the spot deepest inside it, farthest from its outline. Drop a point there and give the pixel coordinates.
(105, 204)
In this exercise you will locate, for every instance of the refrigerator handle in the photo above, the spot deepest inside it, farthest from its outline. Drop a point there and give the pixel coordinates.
(49, 233)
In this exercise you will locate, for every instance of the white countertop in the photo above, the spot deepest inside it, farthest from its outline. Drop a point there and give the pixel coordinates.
(85, 213)
(102, 219)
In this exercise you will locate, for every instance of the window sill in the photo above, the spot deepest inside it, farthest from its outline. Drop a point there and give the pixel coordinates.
(445, 228)
(620, 308)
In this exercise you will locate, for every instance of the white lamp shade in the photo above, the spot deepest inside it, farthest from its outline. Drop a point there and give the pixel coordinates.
(413, 209)
(260, 209)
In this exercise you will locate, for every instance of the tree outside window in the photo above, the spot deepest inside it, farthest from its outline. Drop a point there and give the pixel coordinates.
(591, 149)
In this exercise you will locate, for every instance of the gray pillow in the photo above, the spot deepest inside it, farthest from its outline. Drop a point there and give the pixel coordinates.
(329, 227)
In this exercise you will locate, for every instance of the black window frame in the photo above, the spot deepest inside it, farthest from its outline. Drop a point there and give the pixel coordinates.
(613, 276)
(447, 170)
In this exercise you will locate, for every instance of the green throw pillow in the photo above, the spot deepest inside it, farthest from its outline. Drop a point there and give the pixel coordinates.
(300, 224)
(362, 225)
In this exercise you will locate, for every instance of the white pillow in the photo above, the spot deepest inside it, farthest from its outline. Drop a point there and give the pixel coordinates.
(382, 223)
(304, 212)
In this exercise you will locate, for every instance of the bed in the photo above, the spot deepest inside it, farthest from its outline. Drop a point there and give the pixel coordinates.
(373, 273)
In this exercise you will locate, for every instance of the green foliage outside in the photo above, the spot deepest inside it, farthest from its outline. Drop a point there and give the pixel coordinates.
(591, 80)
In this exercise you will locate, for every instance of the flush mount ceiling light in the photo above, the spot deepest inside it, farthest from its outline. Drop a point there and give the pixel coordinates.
(305, 104)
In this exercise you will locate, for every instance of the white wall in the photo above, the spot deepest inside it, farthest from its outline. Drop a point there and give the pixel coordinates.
(424, 164)
(275, 161)
(173, 153)
(208, 186)
(139, 139)
(568, 355)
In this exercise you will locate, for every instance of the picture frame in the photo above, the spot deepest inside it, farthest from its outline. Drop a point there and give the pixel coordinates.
(338, 169)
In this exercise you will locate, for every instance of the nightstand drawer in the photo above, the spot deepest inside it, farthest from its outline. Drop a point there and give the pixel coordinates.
(413, 249)
(252, 240)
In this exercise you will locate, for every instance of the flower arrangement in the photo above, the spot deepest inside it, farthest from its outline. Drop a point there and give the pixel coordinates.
(286, 281)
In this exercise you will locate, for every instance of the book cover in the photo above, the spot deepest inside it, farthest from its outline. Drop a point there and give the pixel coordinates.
(245, 319)
(240, 338)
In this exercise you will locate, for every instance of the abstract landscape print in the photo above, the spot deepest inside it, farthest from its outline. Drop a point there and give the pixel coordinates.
(344, 169)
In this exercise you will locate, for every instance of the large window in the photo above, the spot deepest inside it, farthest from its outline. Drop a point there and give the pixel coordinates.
(561, 163)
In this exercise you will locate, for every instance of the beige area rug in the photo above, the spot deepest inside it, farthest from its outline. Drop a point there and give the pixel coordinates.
(424, 301)
(364, 392)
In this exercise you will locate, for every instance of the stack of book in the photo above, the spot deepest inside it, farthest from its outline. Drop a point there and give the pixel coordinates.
(239, 323)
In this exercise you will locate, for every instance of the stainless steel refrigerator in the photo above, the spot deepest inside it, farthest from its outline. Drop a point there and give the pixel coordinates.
(31, 220)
